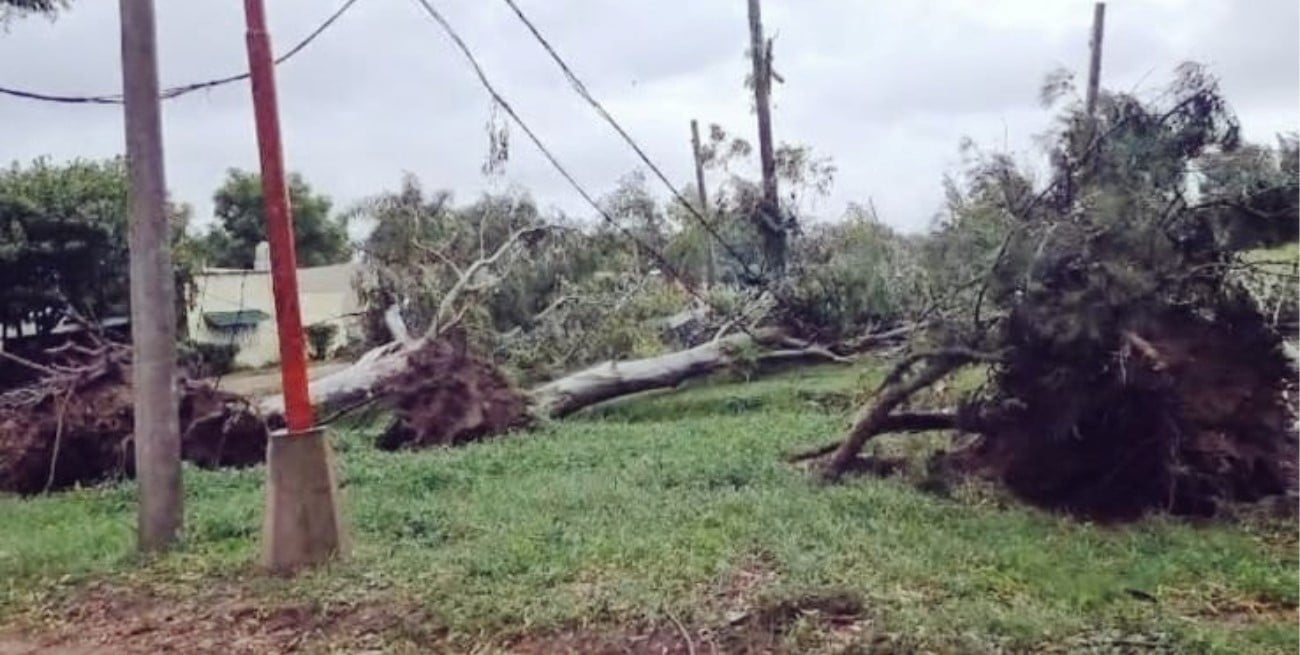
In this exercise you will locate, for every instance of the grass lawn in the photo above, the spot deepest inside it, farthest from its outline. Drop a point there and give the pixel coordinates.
(664, 515)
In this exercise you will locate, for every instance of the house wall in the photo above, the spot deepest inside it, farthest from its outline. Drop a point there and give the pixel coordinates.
(324, 295)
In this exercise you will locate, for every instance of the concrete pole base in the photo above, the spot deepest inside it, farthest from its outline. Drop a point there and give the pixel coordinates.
(302, 526)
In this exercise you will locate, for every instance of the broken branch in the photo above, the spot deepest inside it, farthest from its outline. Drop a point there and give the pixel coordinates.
(872, 420)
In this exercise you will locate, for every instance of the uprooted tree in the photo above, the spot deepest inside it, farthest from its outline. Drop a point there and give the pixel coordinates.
(467, 308)
(503, 289)
(1130, 368)
(492, 284)
(73, 424)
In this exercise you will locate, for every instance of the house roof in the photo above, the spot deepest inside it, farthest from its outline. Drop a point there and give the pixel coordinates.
(244, 318)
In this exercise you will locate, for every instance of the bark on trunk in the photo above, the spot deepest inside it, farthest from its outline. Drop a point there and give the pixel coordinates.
(613, 379)
(367, 377)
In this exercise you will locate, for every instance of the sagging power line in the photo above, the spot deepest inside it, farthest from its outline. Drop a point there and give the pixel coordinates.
(733, 319)
(582, 91)
(464, 48)
(177, 91)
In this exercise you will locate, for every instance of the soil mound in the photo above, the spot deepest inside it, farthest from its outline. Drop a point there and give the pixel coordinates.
(1188, 415)
(449, 396)
(78, 431)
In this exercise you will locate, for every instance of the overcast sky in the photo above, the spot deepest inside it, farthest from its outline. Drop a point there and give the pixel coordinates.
(885, 88)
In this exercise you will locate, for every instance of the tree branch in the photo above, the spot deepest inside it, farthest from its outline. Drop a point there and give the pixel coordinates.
(901, 422)
(465, 279)
(871, 420)
(22, 361)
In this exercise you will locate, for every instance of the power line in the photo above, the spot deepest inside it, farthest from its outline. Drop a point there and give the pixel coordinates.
(582, 90)
(532, 136)
(177, 91)
(733, 318)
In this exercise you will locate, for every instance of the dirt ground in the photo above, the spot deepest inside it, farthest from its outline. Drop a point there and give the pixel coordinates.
(229, 618)
(117, 620)
(265, 382)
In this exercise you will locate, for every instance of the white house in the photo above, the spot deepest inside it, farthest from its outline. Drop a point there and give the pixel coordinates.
(237, 306)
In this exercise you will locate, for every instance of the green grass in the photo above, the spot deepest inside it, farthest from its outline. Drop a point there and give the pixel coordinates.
(1287, 252)
(645, 509)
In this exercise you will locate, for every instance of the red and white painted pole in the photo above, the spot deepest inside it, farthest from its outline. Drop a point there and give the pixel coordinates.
(302, 525)
(279, 223)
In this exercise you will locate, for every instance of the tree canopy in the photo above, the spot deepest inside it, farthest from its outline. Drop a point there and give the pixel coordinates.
(11, 9)
(63, 241)
(320, 238)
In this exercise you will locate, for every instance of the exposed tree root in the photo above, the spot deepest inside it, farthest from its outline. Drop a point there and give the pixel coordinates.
(79, 432)
(1189, 415)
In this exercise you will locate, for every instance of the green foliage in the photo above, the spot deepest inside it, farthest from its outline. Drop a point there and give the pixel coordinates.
(679, 506)
(734, 213)
(851, 277)
(1143, 213)
(319, 238)
(203, 359)
(635, 210)
(551, 272)
(320, 336)
(605, 317)
(10, 9)
(1257, 186)
(63, 242)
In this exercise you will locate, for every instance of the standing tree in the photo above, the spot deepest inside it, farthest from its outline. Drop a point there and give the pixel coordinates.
(320, 239)
(63, 232)
(16, 8)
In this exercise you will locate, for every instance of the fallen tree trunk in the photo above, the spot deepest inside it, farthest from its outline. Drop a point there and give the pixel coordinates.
(613, 379)
(374, 375)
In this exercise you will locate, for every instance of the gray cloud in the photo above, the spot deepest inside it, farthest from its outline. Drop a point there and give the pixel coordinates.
(886, 89)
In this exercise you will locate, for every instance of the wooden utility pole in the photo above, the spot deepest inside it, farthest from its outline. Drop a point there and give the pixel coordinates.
(1094, 64)
(710, 275)
(302, 525)
(153, 290)
(769, 219)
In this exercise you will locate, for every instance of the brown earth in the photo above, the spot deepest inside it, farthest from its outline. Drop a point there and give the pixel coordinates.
(447, 395)
(79, 433)
(1188, 417)
(125, 621)
(225, 619)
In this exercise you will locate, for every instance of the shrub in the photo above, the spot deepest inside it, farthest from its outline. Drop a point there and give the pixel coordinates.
(320, 336)
(206, 359)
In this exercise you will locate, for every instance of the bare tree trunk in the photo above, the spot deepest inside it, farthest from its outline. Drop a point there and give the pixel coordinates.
(613, 379)
(901, 422)
(153, 293)
(366, 378)
(710, 275)
(770, 222)
(1094, 62)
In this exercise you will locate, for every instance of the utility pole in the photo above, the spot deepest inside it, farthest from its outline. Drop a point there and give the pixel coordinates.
(302, 524)
(710, 275)
(1094, 64)
(153, 290)
(769, 219)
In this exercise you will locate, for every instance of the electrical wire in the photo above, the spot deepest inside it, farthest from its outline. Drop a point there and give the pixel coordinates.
(177, 91)
(733, 318)
(582, 90)
(546, 152)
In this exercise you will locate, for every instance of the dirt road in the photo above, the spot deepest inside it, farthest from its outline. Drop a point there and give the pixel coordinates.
(266, 382)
